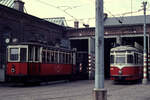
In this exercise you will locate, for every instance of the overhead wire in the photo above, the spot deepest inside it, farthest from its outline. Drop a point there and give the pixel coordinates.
(65, 11)
(45, 3)
(81, 19)
(113, 16)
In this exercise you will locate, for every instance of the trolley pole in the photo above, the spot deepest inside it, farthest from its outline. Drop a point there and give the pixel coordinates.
(99, 92)
(144, 81)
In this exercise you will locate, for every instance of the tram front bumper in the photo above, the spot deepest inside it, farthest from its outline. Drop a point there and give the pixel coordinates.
(123, 77)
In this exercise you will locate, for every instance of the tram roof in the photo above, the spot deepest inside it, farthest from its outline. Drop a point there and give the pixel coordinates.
(124, 48)
(41, 45)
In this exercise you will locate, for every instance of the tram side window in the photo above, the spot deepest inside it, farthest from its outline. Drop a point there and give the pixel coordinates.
(37, 54)
(70, 58)
(60, 57)
(31, 53)
(52, 57)
(48, 56)
(23, 54)
(111, 59)
(129, 58)
(136, 58)
(56, 56)
(140, 59)
(14, 54)
(43, 56)
(63, 58)
(67, 58)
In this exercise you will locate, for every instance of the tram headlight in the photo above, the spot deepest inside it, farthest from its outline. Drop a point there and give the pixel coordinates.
(111, 68)
(120, 72)
(13, 70)
(7, 40)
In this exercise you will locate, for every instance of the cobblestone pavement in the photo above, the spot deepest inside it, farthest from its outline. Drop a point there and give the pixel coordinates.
(78, 90)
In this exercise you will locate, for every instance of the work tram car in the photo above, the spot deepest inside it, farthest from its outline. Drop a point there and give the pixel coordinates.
(36, 62)
(126, 63)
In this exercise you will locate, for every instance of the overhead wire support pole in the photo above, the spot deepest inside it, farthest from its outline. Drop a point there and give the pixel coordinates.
(144, 81)
(99, 91)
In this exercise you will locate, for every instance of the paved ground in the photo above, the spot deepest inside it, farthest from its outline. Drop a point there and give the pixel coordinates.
(78, 90)
(131, 92)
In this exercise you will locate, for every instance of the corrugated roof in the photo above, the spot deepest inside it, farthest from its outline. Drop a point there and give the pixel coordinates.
(129, 20)
(8, 3)
(57, 20)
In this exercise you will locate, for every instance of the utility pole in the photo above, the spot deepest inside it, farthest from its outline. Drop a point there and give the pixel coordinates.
(99, 92)
(144, 81)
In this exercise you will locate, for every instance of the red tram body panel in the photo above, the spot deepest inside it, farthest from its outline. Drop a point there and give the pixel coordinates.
(17, 69)
(33, 68)
(128, 72)
(38, 69)
(56, 69)
(126, 63)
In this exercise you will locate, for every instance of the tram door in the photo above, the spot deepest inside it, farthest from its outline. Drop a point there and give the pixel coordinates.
(82, 64)
(34, 60)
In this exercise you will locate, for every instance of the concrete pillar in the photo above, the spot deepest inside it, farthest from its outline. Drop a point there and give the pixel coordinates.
(19, 5)
(100, 94)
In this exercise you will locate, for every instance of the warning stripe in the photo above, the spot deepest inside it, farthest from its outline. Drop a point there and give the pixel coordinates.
(145, 65)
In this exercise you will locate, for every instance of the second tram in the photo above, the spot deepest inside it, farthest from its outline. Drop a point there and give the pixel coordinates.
(126, 63)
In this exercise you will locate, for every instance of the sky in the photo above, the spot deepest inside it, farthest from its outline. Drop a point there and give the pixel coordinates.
(82, 10)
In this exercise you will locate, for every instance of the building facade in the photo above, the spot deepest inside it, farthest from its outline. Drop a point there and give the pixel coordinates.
(122, 31)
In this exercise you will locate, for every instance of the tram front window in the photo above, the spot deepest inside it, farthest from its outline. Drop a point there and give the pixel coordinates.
(14, 52)
(120, 60)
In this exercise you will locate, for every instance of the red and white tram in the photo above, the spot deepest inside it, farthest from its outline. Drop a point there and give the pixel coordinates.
(33, 61)
(126, 63)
